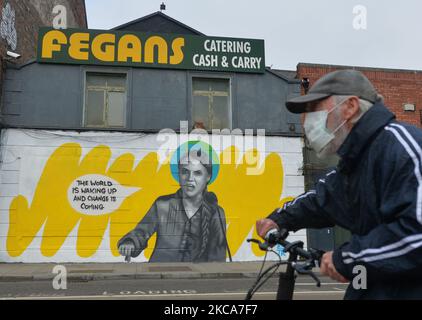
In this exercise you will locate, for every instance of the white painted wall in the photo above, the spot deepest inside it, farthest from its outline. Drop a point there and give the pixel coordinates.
(24, 154)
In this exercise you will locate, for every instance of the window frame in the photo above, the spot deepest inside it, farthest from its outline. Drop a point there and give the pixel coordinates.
(211, 76)
(126, 106)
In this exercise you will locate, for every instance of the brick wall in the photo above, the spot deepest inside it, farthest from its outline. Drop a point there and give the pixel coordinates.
(30, 15)
(397, 86)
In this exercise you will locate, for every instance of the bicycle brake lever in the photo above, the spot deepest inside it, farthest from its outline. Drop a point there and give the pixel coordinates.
(313, 275)
(262, 245)
(306, 269)
(317, 256)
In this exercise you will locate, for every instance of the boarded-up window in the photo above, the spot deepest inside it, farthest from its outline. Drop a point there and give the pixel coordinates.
(211, 103)
(105, 100)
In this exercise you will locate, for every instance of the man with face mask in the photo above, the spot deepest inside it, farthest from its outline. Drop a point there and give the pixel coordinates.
(375, 191)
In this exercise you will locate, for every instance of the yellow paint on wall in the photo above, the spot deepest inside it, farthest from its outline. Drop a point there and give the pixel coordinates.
(244, 198)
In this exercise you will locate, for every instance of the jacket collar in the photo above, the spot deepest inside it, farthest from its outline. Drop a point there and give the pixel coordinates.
(209, 203)
(363, 132)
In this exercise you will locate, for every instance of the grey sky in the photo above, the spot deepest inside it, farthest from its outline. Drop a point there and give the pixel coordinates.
(312, 31)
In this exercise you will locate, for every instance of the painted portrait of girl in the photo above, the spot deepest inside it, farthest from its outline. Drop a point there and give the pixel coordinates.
(190, 225)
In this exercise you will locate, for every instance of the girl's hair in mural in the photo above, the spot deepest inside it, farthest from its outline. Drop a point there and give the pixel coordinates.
(211, 199)
(201, 152)
(197, 152)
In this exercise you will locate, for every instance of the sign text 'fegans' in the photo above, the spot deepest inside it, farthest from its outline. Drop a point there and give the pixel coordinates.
(150, 50)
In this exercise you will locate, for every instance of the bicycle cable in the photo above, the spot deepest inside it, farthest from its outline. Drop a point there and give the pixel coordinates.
(259, 274)
(257, 285)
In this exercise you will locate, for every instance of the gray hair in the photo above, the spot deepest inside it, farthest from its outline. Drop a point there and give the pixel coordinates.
(364, 105)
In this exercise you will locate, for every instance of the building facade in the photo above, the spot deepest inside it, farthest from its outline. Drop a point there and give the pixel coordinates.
(20, 20)
(92, 149)
(95, 125)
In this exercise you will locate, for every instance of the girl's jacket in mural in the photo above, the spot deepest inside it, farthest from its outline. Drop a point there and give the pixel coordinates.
(376, 193)
(198, 239)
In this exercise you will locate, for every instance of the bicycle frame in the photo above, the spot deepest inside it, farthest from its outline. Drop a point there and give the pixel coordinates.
(287, 280)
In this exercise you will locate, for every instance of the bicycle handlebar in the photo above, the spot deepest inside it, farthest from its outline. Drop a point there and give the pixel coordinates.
(291, 247)
(307, 255)
(295, 249)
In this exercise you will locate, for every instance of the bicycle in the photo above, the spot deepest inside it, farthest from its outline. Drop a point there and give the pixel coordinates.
(287, 279)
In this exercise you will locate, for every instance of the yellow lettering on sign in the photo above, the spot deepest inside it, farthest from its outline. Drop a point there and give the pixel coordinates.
(107, 47)
(103, 47)
(129, 47)
(79, 41)
(150, 45)
(177, 46)
(51, 42)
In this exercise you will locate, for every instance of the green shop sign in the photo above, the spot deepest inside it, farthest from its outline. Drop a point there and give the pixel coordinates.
(150, 50)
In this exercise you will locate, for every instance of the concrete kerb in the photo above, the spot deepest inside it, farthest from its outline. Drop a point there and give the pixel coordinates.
(16, 278)
(148, 276)
(142, 271)
(181, 275)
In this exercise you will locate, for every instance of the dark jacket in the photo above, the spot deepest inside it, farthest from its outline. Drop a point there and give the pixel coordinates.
(376, 193)
(198, 239)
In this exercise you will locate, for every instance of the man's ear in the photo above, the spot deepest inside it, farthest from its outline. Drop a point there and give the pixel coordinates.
(352, 108)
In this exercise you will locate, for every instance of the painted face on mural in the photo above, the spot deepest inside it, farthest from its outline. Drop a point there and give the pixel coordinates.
(193, 177)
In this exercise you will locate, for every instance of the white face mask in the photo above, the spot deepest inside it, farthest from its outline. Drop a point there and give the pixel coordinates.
(316, 130)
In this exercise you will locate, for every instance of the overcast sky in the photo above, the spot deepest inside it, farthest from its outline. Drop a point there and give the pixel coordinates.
(312, 31)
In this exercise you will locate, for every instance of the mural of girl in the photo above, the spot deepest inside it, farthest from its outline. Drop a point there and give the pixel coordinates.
(190, 225)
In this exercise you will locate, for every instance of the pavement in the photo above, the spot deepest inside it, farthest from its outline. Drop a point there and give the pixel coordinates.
(135, 270)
